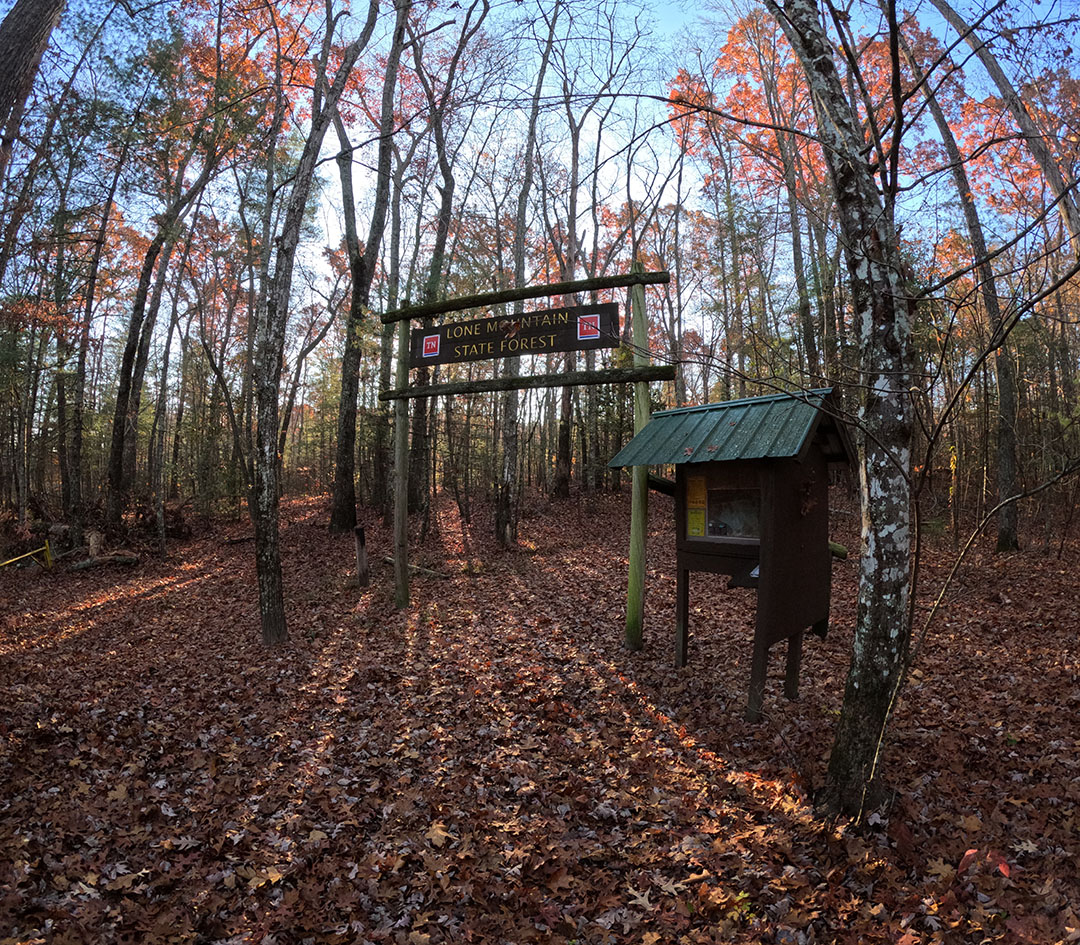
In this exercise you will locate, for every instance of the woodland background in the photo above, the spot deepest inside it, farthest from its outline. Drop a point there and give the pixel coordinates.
(206, 208)
(153, 159)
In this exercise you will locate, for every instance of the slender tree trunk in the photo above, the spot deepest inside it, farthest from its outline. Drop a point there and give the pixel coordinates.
(383, 426)
(142, 359)
(362, 270)
(272, 320)
(1007, 539)
(1034, 138)
(22, 424)
(181, 400)
(420, 474)
(882, 628)
(115, 473)
(181, 201)
(157, 476)
(505, 507)
(560, 483)
(788, 150)
(63, 354)
(812, 365)
(24, 36)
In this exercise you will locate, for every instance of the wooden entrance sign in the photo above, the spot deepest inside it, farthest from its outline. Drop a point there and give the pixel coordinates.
(571, 328)
(575, 328)
(752, 502)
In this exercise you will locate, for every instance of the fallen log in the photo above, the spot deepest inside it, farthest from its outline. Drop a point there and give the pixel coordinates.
(417, 569)
(119, 557)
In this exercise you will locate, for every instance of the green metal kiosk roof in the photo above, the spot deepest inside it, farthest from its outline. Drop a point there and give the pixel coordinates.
(777, 426)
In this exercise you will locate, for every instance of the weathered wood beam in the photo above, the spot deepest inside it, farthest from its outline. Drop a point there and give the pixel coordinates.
(639, 483)
(526, 292)
(401, 474)
(573, 379)
(664, 486)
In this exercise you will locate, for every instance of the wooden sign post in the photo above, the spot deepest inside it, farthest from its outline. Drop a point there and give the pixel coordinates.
(401, 474)
(639, 488)
(569, 328)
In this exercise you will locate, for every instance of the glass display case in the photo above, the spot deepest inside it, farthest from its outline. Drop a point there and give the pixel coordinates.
(733, 513)
(721, 512)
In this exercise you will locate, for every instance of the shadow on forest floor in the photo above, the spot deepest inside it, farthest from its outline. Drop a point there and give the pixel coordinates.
(491, 765)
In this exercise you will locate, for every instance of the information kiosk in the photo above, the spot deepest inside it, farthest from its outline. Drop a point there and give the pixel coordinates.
(752, 502)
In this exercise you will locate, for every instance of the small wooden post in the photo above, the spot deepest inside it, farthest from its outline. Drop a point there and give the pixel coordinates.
(758, 671)
(639, 494)
(794, 657)
(363, 577)
(401, 473)
(682, 615)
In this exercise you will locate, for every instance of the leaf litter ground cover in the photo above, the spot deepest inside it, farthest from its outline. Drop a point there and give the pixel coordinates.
(491, 765)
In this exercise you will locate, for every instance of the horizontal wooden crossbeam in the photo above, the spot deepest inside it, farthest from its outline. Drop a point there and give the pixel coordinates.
(485, 299)
(664, 372)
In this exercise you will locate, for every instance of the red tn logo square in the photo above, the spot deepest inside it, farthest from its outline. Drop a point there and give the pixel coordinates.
(588, 326)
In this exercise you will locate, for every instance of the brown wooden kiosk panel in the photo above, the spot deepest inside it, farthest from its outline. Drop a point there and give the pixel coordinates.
(752, 502)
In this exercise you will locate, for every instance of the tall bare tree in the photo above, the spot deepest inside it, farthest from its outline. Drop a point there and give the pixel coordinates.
(362, 262)
(1007, 538)
(883, 315)
(505, 517)
(272, 317)
(439, 80)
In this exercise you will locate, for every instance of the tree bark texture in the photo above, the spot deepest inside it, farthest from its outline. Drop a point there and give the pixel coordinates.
(271, 321)
(362, 270)
(883, 321)
(24, 36)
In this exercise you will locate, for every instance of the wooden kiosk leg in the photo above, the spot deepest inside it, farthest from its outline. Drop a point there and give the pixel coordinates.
(682, 615)
(758, 671)
(794, 657)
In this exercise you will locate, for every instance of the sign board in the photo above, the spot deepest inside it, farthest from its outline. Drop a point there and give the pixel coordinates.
(576, 328)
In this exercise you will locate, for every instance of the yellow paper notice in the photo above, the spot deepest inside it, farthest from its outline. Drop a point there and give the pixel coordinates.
(695, 492)
(695, 523)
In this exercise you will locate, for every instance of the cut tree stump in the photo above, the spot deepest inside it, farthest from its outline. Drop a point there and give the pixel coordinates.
(363, 578)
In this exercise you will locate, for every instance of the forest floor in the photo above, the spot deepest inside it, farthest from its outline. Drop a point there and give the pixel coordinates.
(491, 765)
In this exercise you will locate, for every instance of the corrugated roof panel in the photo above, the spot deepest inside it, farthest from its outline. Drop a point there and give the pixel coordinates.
(754, 424)
(792, 427)
(771, 427)
(704, 430)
